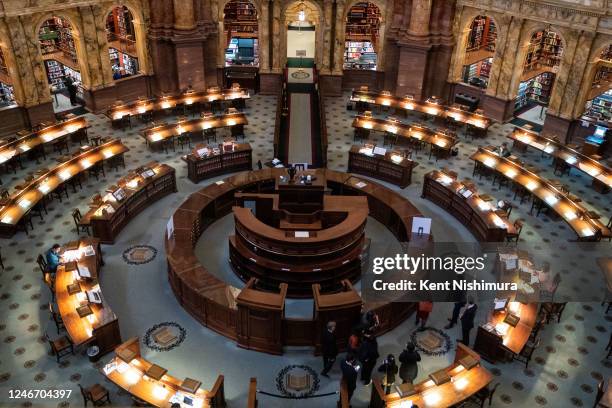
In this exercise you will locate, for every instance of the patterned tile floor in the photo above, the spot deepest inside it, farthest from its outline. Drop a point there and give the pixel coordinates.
(563, 373)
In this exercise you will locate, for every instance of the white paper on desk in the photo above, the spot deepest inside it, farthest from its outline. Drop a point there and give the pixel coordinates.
(361, 184)
(511, 263)
(89, 250)
(302, 234)
(421, 223)
(279, 166)
(380, 150)
(534, 278)
(220, 182)
(170, 228)
(84, 271)
(525, 265)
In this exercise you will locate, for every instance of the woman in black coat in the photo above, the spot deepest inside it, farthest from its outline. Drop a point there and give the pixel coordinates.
(409, 358)
(389, 368)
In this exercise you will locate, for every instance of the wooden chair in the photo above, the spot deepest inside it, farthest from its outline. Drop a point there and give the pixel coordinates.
(527, 352)
(97, 394)
(609, 347)
(237, 131)
(514, 237)
(553, 311)
(600, 393)
(61, 190)
(57, 319)
(116, 161)
(39, 207)
(390, 139)
(42, 264)
(1, 262)
(96, 169)
(167, 143)
(184, 139)
(80, 226)
(548, 293)
(60, 144)
(210, 134)
(25, 220)
(60, 347)
(485, 394)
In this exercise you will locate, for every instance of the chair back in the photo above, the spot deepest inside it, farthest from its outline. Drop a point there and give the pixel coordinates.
(76, 215)
(4, 193)
(42, 264)
(492, 391)
(600, 392)
(84, 393)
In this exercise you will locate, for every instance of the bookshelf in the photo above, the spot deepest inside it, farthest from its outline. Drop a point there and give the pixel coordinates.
(56, 35)
(545, 49)
(362, 33)
(600, 107)
(537, 89)
(483, 35)
(381, 167)
(240, 19)
(202, 168)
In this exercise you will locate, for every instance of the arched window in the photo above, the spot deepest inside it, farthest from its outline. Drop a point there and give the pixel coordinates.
(240, 30)
(363, 22)
(479, 52)
(122, 42)
(542, 61)
(58, 49)
(7, 96)
(599, 100)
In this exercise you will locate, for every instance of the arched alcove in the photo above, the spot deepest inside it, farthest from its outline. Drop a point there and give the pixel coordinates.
(59, 49)
(599, 99)
(542, 60)
(122, 44)
(362, 36)
(7, 90)
(479, 51)
(240, 33)
(301, 34)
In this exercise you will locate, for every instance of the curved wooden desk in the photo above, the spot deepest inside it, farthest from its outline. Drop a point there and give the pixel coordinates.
(463, 383)
(213, 302)
(427, 107)
(573, 213)
(100, 326)
(392, 166)
(39, 138)
(152, 384)
(415, 131)
(23, 201)
(324, 247)
(159, 133)
(565, 157)
(120, 110)
(138, 190)
(476, 214)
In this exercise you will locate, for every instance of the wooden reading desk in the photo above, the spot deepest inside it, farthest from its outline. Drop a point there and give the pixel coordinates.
(437, 139)
(464, 203)
(125, 200)
(158, 133)
(87, 318)
(153, 384)
(147, 105)
(564, 156)
(22, 201)
(573, 213)
(390, 166)
(206, 161)
(432, 107)
(463, 378)
(38, 139)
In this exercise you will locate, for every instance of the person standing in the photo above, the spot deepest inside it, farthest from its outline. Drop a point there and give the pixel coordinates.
(329, 347)
(350, 368)
(368, 354)
(354, 341)
(389, 368)
(423, 311)
(72, 89)
(409, 359)
(455, 316)
(467, 320)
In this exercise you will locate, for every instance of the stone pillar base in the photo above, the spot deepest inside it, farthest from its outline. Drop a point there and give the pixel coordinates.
(270, 83)
(412, 70)
(12, 120)
(127, 89)
(555, 126)
(40, 113)
(330, 85)
(498, 109)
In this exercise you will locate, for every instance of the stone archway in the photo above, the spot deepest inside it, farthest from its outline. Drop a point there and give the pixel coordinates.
(289, 14)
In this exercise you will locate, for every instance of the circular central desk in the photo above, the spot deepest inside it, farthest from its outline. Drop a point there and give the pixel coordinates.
(253, 316)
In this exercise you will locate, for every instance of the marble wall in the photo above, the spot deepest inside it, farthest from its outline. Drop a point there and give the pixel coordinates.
(584, 27)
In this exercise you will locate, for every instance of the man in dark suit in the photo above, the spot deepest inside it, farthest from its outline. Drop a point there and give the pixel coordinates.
(329, 347)
(467, 320)
(455, 316)
(368, 354)
(350, 367)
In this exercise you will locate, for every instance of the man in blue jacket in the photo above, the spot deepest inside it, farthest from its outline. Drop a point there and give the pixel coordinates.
(53, 258)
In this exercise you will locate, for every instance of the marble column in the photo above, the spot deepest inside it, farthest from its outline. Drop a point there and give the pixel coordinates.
(270, 81)
(263, 36)
(184, 15)
(339, 43)
(458, 55)
(419, 18)
(327, 46)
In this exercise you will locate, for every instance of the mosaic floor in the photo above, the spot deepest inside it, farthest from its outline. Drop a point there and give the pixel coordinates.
(564, 372)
